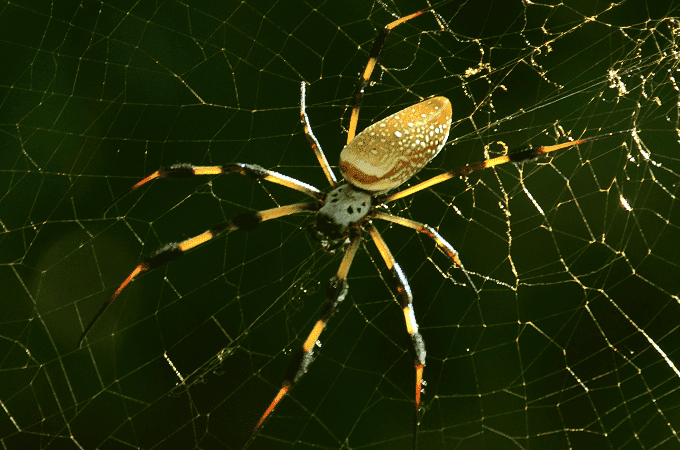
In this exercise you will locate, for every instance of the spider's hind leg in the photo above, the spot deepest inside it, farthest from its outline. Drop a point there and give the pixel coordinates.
(406, 299)
(336, 291)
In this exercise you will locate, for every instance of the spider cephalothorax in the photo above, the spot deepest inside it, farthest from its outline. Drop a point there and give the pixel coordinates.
(343, 207)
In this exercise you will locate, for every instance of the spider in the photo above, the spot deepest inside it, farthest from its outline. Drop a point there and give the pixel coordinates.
(380, 158)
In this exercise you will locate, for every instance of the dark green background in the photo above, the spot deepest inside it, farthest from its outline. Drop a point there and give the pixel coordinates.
(97, 95)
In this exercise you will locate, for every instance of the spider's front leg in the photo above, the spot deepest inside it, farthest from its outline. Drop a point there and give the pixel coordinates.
(336, 291)
(254, 171)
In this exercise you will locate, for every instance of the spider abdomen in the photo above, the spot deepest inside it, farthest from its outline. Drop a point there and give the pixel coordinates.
(391, 151)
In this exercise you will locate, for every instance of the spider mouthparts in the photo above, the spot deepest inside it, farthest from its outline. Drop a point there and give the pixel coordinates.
(328, 244)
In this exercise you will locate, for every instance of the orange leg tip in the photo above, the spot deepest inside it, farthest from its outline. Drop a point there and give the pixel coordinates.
(397, 22)
(128, 280)
(145, 180)
(285, 387)
(419, 385)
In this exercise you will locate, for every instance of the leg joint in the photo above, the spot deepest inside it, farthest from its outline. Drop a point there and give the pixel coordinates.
(163, 256)
(378, 43)
(419, 347)
(254, 171)
(181, 170)
(337, 290)
(247, 221)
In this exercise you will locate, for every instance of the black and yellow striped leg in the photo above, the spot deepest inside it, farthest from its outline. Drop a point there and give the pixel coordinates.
(336, 291)
(313, 142)
(253, 171)
(373, 57)
(424, 229)
(170, 252)
(406, 298)
(430, 232)
(521, 156)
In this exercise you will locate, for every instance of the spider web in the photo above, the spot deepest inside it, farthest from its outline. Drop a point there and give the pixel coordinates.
(567, 339)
